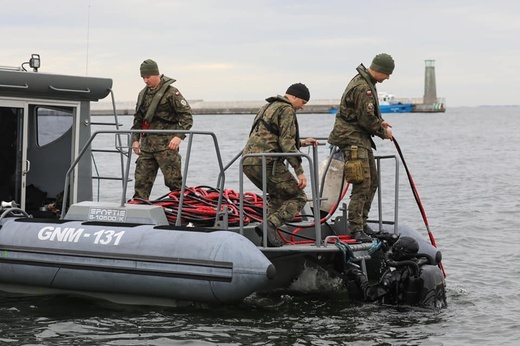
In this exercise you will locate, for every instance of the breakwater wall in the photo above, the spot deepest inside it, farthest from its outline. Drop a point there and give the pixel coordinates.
(252, 107)
(220, 107)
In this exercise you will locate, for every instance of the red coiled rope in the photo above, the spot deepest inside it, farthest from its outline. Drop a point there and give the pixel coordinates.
(200, 206)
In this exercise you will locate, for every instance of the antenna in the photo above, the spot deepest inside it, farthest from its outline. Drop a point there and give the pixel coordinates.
(88, 38)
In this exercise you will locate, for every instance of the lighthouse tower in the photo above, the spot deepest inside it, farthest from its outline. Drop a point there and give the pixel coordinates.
(430, 88)
(430, 101)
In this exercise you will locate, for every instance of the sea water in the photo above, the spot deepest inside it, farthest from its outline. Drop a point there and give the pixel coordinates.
(464, 164)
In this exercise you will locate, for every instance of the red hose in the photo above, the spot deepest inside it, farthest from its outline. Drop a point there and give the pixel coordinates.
(418, 200)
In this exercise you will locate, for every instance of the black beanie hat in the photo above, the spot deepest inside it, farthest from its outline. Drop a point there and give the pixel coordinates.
(149, 68)
(383, 63)
(299, 90)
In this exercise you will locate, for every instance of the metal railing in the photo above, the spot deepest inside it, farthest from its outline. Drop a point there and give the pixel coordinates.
(125, 147)
(118, 150)
(126, 171)
(314, 190)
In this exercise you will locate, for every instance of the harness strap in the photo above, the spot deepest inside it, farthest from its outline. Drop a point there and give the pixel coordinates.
(261, 119)
(148, 116)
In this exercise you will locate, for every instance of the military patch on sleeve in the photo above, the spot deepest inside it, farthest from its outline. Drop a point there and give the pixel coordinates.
(183, 102)
(369, 92)
(370, 107)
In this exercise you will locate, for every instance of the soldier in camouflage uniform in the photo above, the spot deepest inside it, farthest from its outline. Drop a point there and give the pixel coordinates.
(357, 121)
(275, 130)
(160, 106)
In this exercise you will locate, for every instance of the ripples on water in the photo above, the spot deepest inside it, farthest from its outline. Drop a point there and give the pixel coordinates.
(289, 318)
(464, 164)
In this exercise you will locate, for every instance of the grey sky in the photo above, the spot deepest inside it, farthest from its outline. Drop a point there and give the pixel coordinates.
(249, 50)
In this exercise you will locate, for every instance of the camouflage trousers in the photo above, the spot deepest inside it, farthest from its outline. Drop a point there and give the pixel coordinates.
(147, 166)
(363, 193)
(286, 199)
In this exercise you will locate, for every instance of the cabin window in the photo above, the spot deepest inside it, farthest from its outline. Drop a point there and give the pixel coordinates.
(52, 123)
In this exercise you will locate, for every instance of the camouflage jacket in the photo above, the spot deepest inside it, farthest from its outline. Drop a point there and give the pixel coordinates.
(275, 130)
(172, 113)
(359, 117)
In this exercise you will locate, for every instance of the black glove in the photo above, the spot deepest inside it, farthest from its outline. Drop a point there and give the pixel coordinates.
(354, 273)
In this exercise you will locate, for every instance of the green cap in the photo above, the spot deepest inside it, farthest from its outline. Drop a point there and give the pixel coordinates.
(149, 68)
(383, 63)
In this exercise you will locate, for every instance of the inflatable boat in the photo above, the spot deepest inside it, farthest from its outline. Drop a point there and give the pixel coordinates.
(55, 239)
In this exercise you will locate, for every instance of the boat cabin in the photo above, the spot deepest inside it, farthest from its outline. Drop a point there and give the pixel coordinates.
(44, 123)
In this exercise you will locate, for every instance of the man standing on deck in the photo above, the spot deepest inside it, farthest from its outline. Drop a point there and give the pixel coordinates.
(275, 130)
(358, 120)
(160, 106)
